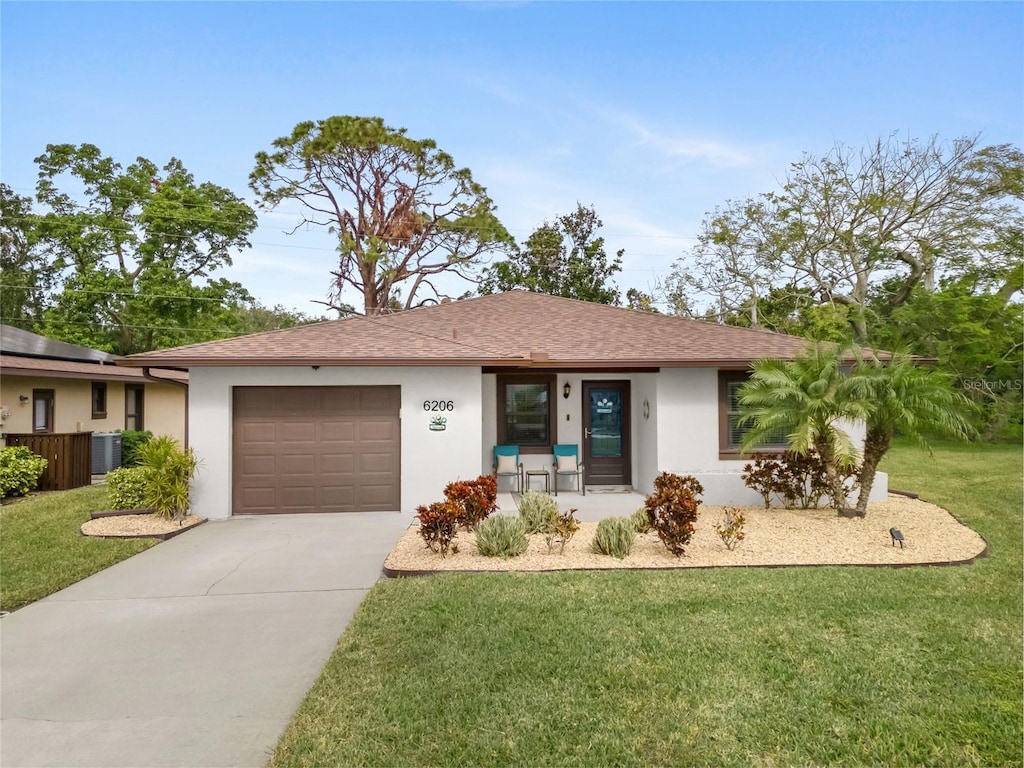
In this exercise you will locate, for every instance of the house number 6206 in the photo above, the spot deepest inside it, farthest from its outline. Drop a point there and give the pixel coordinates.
(438, 405)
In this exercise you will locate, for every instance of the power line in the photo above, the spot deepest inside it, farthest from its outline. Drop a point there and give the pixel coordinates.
(115, 327)
(183, 204)
(325, 249)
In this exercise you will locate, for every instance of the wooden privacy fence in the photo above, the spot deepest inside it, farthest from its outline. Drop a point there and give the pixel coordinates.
(68, 457)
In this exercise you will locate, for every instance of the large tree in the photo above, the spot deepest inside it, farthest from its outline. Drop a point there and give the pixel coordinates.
(562, 258)
(25, 273)
(972, 327)
(135, 247)
(254, 317)
(403, 213)
(902, 211)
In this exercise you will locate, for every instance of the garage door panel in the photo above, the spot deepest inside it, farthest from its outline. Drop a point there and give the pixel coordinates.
(301, 464)
(382, 400)
(338, 431)
(300, 496)
(316, 449)
(380, 463)
(259, 432)
(377, 429)
(375, 498)
(335, 463)
(253, 400)
(340, 400)
(298, 432)
(259, 466)
(339, 498)
(259, 499)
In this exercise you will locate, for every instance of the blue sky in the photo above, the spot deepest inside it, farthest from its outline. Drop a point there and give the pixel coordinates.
(652, 112)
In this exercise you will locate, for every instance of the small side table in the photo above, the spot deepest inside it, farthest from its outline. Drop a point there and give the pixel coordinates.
(539, 473)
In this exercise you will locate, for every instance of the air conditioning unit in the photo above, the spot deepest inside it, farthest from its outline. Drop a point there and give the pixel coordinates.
(106, 452)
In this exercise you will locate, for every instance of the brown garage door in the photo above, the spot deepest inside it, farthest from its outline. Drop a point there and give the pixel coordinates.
(316, 449)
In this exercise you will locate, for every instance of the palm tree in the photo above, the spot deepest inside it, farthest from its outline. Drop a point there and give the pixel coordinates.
(904, 399)
(807, 399)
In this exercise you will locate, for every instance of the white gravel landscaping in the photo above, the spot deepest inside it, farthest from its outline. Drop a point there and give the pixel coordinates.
(773, 537)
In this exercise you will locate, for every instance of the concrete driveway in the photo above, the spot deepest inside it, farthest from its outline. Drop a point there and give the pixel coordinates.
(193, 653)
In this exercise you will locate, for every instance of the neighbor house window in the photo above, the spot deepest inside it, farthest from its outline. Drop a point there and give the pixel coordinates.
(730, 431)
(99, 399)
(133, 407)
(42, 410)
(525, 412)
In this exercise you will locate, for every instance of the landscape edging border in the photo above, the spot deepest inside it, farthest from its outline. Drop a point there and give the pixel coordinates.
(160, 536)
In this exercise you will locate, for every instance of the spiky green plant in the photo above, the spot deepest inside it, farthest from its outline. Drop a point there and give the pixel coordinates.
(641, 520)
(614, 536)
(537, 510)
(167, 472)
(502, 536)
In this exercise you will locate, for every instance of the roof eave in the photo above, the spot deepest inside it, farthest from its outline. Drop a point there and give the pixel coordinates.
(185, 363)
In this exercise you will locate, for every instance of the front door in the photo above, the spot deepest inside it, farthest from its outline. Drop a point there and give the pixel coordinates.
(606, 456)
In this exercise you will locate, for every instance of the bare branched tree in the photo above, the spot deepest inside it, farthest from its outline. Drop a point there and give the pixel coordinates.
(402, 212)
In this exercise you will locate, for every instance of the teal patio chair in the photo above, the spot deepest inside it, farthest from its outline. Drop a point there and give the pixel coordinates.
(507, 464)
(567, 464)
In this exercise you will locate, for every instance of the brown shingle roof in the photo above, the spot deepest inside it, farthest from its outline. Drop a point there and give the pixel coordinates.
(15, 365)
(511, 329)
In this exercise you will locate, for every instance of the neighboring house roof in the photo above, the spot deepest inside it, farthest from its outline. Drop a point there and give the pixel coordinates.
(29, 354)
(12, 365)
(514, 329)
(15, 341)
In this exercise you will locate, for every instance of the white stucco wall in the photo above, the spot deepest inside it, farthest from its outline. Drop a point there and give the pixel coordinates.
(430, 460)
(645, 431)
(680, 434)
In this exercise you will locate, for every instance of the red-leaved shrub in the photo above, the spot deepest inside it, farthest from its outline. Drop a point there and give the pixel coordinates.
(672, 509)
(476, 499)
(439, 523)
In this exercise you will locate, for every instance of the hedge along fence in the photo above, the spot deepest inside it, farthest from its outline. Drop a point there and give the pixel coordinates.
(68, 458)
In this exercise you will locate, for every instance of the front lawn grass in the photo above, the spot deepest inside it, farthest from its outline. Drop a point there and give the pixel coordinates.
(729, 667)
(42, 549)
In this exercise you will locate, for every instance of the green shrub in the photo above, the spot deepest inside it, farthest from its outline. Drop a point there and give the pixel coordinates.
(672, 509)
(641, 520)
(167, 471)
(20, 470)
(730, 528)
(561, 529)
(537, 510)
(126, 488)
(502, 536)
(131, 441)
(439, 525)
(476, 498)
(615, 536)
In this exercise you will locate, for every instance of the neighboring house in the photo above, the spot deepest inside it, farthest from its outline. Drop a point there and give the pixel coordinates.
(381, 413)
(50, 386)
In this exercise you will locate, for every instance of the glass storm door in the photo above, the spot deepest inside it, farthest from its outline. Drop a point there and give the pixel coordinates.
(606, 454)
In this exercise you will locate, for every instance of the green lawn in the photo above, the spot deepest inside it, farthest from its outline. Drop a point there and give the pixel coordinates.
(829, 666)
(43, 550)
